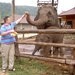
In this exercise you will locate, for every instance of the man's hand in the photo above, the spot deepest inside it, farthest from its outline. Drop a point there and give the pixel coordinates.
(27, 14)
(7, 32)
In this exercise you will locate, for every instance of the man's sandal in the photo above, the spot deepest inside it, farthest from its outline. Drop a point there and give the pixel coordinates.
(3, 70)
(12, 69)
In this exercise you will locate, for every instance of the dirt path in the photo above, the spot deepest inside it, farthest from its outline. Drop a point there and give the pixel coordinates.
(3, 73)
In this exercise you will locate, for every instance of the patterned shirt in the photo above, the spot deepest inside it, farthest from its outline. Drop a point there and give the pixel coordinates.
(7, 39)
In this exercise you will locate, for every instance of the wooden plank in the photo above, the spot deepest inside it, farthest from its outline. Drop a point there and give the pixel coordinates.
(41, 58)
(74, 69)
(74, 64)
(47, 44)
(13, 10)
(17, 50)
(49, 31)
(52, 2)
(57, 60)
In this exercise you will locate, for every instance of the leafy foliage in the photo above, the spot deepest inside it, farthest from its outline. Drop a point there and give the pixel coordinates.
(5, 9)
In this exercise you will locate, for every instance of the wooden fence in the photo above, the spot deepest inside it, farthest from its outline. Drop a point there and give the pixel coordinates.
(51, 31)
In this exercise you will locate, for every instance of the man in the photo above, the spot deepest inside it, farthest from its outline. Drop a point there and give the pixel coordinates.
(7, 43)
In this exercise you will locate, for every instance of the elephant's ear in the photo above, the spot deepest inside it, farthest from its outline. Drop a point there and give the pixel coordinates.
(55, 9)
(39, 9)
(37, 16)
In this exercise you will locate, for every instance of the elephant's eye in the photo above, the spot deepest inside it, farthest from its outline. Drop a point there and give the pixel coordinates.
(49, 13)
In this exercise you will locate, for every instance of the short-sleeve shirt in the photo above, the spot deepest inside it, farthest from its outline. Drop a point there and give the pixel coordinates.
(7, 39)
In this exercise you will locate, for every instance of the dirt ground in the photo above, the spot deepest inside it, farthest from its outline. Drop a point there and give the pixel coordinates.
(27, 49)
(3, 73)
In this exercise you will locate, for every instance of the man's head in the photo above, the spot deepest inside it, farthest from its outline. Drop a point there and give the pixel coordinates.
(7, 20)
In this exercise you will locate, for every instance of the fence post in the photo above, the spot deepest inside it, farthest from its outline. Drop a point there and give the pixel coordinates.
(17, 50)
(23, 35)
(74, 59)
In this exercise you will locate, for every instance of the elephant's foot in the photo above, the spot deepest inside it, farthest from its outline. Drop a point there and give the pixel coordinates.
(71, 74)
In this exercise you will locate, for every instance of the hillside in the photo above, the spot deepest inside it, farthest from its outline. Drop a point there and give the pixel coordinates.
(5, 9)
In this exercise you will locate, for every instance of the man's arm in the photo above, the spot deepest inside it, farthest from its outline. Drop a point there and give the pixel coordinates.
(19, 19)
(7, 32)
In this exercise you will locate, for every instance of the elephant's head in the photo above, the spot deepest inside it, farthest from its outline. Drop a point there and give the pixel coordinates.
(46, 17)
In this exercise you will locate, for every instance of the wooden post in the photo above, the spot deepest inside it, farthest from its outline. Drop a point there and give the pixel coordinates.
(13, 10)
(17, 50)
(52, 2)
(59, 20)
(23, 35)
(73, 70)
(74, 59)
(13, 19)
(37, 2)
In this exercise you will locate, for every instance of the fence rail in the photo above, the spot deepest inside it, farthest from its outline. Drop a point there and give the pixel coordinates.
(47, 44)
(51, 31)
(57, 60)
(48, 31)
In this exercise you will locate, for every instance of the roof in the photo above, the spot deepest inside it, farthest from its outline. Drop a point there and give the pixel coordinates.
(68, 12)
(23, 20)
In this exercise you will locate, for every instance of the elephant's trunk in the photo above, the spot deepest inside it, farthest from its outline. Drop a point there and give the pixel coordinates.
(35, 23)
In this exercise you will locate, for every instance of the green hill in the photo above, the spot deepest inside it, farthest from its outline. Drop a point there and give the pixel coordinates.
(5, 9)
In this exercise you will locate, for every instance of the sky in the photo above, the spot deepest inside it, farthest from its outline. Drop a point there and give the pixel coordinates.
(62, 6)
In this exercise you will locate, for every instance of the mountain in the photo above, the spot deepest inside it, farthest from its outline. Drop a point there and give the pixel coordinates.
(5, 9)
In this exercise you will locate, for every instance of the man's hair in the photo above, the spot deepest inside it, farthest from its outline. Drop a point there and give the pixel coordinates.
(5, 18)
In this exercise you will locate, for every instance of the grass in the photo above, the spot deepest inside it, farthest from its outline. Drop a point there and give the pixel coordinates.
(34, 67)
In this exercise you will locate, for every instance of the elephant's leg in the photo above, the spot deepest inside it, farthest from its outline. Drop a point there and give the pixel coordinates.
(55, 50)
(61, 51)
(37, 47)
(47, 50)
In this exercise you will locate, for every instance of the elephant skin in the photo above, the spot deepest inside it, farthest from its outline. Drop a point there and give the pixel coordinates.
(46, 18)
(48, 38)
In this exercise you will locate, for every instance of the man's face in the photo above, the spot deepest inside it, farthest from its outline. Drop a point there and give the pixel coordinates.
(8, 21)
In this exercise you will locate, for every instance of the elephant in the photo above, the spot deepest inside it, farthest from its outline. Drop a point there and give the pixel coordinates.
(46, 18)
(42, 38)
(48, 38)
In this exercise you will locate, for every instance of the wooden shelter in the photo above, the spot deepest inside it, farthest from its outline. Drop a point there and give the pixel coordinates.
(51, 2)
(68, 17)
